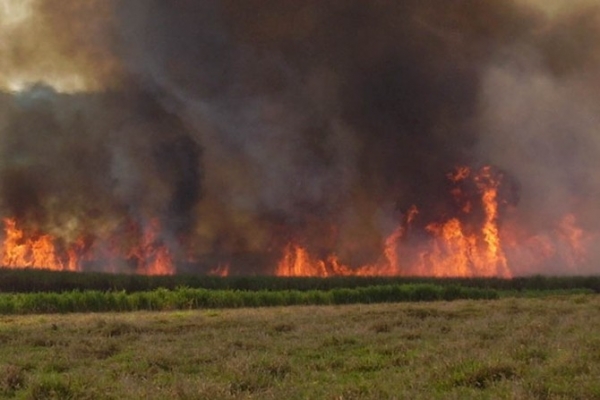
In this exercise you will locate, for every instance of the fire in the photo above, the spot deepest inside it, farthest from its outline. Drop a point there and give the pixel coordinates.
(458, 253)
(454, 247)
(451, 250)
(152, 257)
(459, 174)
(297, 262)
(566, 245)
(19, 250)
(467, 241)
(38, 251)
(494, 255)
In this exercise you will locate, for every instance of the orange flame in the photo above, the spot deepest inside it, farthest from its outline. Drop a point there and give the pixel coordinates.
(39, 251)
(463, 244)
(494, 255)
(152, 257)
(451, 251)
(297, 262)
(456, 253)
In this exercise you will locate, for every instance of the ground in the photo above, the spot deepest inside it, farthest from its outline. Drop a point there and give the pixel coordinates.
(544, 348)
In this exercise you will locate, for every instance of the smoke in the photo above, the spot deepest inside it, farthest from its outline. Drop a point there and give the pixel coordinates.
(539, 112)
(243, 126)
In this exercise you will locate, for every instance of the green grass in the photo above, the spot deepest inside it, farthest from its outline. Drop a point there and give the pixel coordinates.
(509, 348)
(189, 298)
(20, 281)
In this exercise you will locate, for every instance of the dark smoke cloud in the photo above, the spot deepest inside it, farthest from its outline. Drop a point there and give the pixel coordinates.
(75, 164)
(244, 125)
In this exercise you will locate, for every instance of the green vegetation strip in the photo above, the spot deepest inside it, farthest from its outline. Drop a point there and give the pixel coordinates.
(33, 281)
(189, 298)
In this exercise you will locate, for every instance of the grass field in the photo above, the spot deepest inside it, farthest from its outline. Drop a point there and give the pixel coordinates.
(511, 348)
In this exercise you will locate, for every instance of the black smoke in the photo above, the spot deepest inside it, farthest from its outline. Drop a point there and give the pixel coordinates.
(246, 125)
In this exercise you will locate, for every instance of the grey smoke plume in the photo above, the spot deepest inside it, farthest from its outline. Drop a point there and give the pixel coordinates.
(246, 125)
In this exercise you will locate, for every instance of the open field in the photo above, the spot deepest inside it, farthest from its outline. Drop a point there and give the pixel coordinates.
(540, 348)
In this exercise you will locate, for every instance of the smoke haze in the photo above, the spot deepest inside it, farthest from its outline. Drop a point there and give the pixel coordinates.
(244, 126)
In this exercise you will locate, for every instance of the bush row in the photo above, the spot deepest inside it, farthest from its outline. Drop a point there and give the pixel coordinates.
(194, 298)
(24, 281)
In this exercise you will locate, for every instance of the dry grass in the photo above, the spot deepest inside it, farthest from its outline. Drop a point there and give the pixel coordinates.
(512, 348)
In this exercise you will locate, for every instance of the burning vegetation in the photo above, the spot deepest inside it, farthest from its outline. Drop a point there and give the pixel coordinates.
(288, 138)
